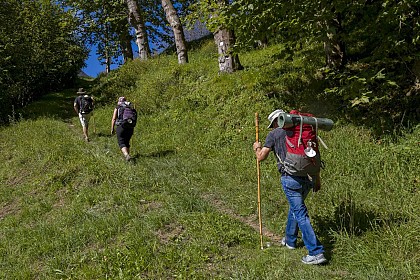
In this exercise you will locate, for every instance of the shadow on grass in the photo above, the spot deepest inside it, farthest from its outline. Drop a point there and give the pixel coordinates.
(106, 135)
(135, 157)
(57, 105)
(353, 221)
(163, 153)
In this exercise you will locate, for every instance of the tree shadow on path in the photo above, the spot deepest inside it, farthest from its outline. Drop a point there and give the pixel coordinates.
(58, 105)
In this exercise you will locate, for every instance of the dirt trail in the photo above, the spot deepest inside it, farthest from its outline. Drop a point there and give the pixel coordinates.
(251, 221)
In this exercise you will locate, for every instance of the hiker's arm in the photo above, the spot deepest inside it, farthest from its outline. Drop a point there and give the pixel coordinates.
(261, 152)
(114, 117)
(76, 109)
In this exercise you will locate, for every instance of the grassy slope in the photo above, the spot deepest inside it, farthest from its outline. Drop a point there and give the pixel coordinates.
(173, 213)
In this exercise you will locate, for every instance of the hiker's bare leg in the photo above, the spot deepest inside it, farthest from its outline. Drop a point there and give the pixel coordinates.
(126, 152)
(85, 133)
(84, 120)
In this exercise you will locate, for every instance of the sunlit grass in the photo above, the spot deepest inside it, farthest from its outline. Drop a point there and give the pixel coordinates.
(76, 210)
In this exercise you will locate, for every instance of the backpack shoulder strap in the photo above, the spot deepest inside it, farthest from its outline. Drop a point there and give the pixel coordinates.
(317, 136)
(301, 130)
(278, 157)
(289, 143)
(120, 111)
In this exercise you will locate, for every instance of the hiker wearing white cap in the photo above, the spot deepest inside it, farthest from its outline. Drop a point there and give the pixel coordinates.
(296, 189)
(83, 106)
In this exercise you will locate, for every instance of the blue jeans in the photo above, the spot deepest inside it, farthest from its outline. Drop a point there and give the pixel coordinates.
(296, 190)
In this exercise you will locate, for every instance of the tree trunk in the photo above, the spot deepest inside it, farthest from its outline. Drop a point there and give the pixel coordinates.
(137, 21)
(334, 47)
(224, 40)
(262, 43)
(175, 22)
(127, 49)
(108, 58)
(107, 62)
(416, 86)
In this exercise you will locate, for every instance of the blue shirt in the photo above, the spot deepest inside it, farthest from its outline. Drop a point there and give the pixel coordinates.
(276, 141)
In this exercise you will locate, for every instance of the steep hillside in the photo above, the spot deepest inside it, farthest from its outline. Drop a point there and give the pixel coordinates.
(186, 207)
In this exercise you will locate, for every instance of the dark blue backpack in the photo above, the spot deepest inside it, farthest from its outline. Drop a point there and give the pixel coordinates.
(127, 116)
(86, 104)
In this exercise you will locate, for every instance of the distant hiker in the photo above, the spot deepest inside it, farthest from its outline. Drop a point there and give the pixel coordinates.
(125, 118)
(83, 105)
(296, 188)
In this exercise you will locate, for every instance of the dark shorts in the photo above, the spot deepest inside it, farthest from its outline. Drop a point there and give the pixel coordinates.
(124, 136)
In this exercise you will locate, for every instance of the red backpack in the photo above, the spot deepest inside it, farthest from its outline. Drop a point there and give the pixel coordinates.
(302, 156)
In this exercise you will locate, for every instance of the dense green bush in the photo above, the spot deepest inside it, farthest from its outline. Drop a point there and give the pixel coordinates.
(39, 52)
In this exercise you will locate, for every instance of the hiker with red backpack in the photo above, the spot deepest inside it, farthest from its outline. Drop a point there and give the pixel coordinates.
(125, 118)
(287, 144)
(83, 106)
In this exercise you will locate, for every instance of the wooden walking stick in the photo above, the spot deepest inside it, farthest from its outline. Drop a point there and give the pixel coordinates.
(131, 140)
(93, 122)
(258, 182)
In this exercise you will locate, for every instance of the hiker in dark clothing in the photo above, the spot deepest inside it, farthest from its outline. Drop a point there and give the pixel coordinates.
(124, 133)
(83, 106)
(296, 189)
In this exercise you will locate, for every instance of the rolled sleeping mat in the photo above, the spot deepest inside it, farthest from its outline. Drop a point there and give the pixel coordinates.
(286, 120)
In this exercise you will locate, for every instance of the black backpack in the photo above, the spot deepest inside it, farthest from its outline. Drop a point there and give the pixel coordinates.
(127, 116)
(86, 104)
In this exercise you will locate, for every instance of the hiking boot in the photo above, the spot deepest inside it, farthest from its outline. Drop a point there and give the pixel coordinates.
(127, 157)
(318, 259)
(283, 243)
(87, 139)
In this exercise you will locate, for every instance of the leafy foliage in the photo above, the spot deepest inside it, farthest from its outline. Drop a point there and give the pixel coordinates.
(39, 51)
(380, 82)
(103, 24)
(380, 40)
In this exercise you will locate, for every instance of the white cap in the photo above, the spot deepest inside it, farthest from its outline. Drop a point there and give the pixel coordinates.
(274, 115)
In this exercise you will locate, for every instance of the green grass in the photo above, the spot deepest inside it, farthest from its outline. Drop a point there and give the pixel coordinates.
(184, 209)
